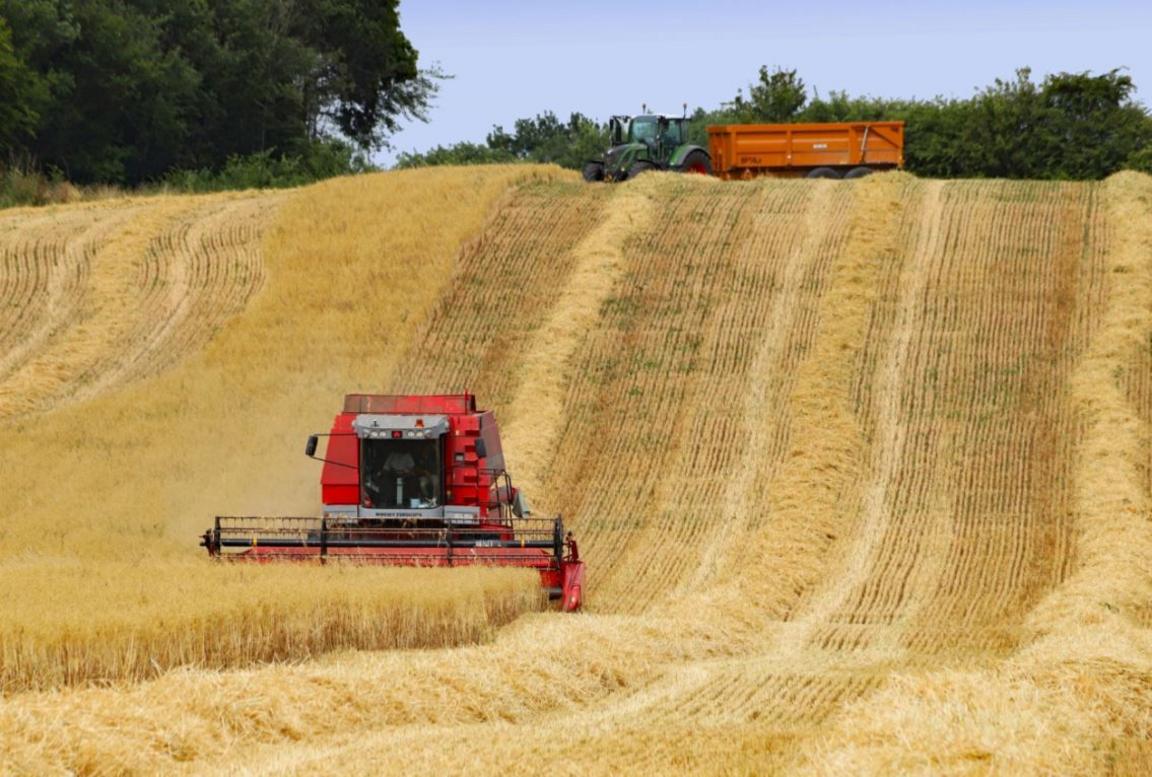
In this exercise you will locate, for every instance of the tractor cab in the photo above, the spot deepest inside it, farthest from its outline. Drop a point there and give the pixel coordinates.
(665, 132)
(618, 129)
(660, 133)
(647, 142)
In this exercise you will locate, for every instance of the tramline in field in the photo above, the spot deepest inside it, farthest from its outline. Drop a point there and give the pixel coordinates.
(413, 481)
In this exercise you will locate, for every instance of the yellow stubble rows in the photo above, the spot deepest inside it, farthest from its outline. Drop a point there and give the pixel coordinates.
(821, 444)
(123, 290)
(970, 530)
(47, 263)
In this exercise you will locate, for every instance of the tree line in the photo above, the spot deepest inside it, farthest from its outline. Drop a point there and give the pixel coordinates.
(1066, 126)
(129, 91)
(223, 93)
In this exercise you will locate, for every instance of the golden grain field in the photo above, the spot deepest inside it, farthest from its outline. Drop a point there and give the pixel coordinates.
(146, 387)
(861, 471)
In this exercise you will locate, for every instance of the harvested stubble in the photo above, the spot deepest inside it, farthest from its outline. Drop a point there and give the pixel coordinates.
(836, 453)
(1077, 699)
(119, 290)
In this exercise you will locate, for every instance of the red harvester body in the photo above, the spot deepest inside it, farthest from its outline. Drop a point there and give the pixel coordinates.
(413, 481)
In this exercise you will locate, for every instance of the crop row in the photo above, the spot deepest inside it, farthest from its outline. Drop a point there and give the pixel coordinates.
(102, 294)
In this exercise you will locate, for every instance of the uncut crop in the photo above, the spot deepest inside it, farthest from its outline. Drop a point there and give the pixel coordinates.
(65, 624)
(860, 470)
(161, 360)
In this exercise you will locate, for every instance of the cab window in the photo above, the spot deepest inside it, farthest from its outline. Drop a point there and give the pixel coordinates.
(643, 130)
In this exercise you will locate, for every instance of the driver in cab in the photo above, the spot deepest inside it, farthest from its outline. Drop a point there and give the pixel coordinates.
(413, 479)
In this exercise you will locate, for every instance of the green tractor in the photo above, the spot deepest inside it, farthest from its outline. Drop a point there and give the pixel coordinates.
(643, 143)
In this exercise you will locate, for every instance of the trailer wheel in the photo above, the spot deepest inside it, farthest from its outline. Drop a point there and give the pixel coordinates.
(593, 171)
(696, 162)
(823, 172)
(858, 172)
(639, 167)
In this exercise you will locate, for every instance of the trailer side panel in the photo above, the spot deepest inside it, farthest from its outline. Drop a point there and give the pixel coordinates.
(751, 150)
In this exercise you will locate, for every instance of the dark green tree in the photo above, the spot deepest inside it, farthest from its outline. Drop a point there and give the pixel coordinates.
(1094, 125)
(463, 153)
(36, 31)
(547, 139)
(128, 90)
(1140, 160)
(543, 138)
(365, 75)
(18, 114)
(1070, 126)
(776, 97)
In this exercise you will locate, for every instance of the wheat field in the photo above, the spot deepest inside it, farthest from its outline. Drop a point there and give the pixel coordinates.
(861, 471)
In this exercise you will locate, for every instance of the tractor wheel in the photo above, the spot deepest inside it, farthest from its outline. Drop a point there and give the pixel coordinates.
(823, 172)
(593, 171)
(639, 167)
(858, 172)
(696, 162)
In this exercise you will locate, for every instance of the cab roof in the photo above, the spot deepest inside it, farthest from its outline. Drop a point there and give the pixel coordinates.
(410, 404)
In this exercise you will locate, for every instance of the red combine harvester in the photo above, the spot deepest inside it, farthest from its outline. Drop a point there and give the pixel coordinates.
(413, 481)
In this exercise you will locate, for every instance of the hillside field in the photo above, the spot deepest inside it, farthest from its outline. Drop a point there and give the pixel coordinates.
(861, 471)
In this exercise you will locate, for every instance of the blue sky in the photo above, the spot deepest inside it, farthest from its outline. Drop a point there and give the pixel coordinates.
(516, 59)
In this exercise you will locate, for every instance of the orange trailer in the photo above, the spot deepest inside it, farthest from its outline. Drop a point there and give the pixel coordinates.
(843, 150)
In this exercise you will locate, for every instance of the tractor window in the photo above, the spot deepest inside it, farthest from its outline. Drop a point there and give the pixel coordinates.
(619, 131)
(671, 135)
(643, 130)
(401, 474)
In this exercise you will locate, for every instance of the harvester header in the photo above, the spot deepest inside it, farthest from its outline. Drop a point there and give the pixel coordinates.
(413, 480)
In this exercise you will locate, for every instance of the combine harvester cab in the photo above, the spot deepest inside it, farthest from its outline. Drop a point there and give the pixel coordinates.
(413, 481)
